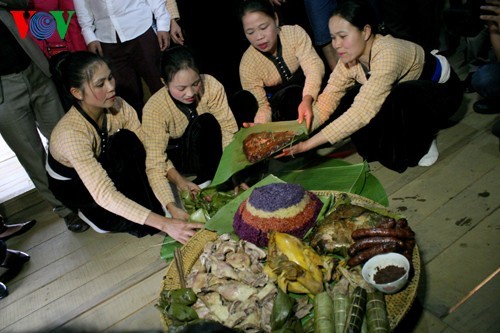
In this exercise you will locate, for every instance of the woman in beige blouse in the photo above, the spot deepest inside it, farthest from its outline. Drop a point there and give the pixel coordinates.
(96, 162)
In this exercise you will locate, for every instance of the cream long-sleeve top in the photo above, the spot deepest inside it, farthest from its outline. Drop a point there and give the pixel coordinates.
(162, 120)
(391, 61)
(257, 71)
(102, 20)
(75, 143)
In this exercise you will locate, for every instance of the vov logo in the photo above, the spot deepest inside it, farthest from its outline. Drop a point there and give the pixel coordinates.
(42, 25)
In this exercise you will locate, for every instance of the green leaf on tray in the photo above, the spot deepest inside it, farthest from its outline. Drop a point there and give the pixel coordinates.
(331, 175)
(337, 175)
(234, 160)
(168, 247)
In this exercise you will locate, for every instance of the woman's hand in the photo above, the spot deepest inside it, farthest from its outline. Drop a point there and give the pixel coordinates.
(304, 146)
(306, 111)
(295, 149)
(181, 231)
(176, 212)
(176, 32)
(187, 186)
(182, 183)
(242, 186)
(247, 125)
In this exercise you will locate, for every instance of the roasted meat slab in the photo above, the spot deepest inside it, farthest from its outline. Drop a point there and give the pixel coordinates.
(258, 146)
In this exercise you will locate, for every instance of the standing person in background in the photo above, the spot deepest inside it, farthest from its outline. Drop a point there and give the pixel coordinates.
(486, 80)
(415, 21)
(213, 32)
(96, 157)
(175, 29)
(319, 12)
(52, 45)
(406, 94)
(29, 101)
(122, 30)
(280, 72)
(186, 126)
(11, 263)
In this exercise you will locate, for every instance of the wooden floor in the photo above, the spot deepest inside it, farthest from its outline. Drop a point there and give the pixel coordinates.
(94, 282)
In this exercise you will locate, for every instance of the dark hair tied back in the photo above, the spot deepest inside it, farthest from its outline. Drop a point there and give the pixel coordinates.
(176, 59)
(257, 6)
(359, 13)
(74, 69)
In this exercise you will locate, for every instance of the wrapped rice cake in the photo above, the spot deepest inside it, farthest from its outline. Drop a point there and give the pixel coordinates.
(282, 207)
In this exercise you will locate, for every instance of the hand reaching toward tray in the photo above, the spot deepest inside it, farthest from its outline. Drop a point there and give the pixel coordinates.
(180, 230)
(304, 146)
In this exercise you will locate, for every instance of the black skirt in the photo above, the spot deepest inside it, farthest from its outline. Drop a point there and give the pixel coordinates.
(199, 150)
(124, 161)
(402, 131)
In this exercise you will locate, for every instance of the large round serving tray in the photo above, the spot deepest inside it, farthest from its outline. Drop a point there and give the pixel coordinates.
(397, 305)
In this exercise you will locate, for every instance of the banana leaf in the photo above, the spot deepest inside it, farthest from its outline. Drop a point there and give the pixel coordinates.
(221, 222)
(168, 247)
(337, 175)
(331, 174)
(233, 159)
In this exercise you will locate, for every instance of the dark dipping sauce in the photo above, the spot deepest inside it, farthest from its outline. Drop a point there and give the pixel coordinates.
(388, 274)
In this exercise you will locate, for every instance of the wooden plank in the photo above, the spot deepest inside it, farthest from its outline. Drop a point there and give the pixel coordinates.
(124, 311)
(462, 266)
(425, 195)
(15, 208)
(419, 320)
(458, 216)
(147, 318)
(480, 312)
(80, 290)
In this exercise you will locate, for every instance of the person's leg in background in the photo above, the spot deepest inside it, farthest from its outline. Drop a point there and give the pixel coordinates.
(146, 60)
(319, 12)
(486, 82)
(29, 98)
(128, 82)
(11, 263)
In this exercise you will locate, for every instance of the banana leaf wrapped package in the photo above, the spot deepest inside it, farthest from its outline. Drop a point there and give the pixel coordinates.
(233, 157)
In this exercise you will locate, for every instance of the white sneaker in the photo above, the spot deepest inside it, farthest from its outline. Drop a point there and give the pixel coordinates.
(431, 157)
(91, 224)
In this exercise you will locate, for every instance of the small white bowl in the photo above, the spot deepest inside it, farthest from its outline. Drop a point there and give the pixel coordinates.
(383, 260)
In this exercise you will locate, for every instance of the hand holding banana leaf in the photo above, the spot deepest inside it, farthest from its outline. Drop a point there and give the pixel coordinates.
(233, 157)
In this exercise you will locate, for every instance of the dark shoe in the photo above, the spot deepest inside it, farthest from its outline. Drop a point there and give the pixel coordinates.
(486, 106)
(467, 83)
(13, 264)
(4, 292)
(75, 223)
(22, 228)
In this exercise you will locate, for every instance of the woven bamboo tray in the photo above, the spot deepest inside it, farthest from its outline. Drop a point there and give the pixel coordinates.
(397, 304)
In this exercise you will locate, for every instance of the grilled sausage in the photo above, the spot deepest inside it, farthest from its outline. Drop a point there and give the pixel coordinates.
(367, 242)
(406, 233)
(402, 223)
(364, 255)
(387, 224)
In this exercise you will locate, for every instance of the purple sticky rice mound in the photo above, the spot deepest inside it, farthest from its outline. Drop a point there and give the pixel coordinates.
(259, 237)
(272, 197)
